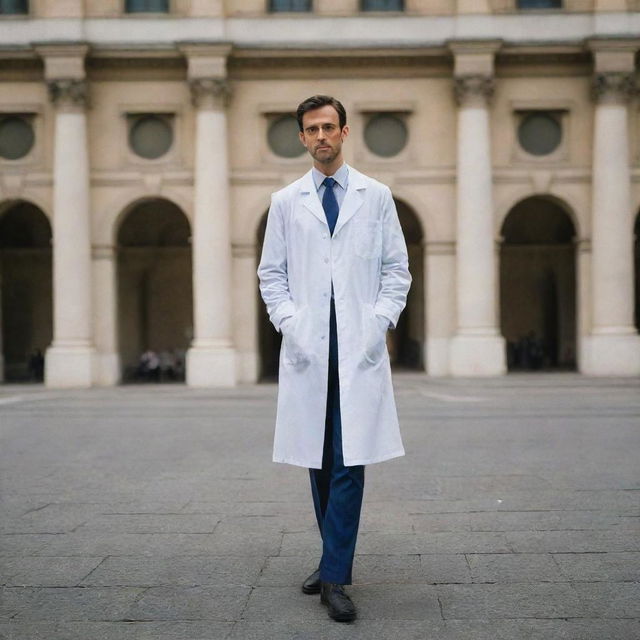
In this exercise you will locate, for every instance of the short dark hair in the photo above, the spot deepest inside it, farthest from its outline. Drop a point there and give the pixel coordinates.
(315, 102)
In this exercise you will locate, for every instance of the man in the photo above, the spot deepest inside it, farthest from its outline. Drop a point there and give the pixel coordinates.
(334, 276)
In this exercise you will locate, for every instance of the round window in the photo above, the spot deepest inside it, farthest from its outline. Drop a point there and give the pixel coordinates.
(150, 136)
(283, 137)
(539, 133)
(386, 135)
(16, 137)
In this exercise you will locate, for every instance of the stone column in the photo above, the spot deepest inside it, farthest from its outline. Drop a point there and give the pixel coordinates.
(614, 345)
(477, 349)
(68, 360)
(210, 360)
(107, 358)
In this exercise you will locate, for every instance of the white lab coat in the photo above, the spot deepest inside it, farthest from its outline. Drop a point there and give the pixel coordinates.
(367, 260)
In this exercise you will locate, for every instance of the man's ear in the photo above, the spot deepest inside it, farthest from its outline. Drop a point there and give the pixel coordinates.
(301, 138)
(345, 131)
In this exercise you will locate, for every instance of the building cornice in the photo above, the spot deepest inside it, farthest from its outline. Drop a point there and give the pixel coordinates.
(313, 31)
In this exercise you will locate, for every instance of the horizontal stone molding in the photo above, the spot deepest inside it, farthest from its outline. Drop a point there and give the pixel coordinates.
(357, 30)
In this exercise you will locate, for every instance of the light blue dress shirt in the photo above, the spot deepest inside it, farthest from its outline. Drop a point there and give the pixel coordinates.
(341, 176)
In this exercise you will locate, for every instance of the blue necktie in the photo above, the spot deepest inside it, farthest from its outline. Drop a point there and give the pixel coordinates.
(330, 204)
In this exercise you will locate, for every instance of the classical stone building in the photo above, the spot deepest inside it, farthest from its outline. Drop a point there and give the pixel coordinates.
(140, 141)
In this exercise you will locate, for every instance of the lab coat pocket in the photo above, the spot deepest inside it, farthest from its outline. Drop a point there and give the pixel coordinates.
(374, 339)
(293, 337)
(368, 242)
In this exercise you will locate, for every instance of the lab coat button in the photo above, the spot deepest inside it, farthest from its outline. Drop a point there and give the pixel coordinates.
(326, 260)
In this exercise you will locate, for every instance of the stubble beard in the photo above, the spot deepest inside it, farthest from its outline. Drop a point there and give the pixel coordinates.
(325, 159)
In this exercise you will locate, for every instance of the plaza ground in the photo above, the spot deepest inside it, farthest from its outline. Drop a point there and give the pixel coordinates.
(154, 512)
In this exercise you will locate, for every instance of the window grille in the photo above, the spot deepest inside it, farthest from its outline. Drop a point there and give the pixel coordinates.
(147, 6)
(382, 5)
(12, 7)
(289, 5)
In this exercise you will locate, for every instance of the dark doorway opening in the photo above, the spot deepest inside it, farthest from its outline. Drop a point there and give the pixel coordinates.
(538, 286)
(26, 290)
(155, 301)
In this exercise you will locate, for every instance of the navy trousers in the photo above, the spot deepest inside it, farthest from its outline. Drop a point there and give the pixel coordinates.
(337, 490)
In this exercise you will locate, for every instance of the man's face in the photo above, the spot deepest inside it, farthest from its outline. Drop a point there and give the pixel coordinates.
(321, 134)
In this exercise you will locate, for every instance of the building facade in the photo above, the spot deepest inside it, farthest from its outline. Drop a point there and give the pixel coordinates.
(140, 141)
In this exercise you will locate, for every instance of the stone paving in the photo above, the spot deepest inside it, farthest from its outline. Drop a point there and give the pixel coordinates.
(155, 513)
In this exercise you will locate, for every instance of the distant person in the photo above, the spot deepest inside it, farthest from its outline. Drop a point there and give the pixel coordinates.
(36, 366)
(149, 366)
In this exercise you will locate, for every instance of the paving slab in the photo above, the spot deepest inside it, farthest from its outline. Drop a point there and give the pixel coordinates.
(514, 567)
(176, 571)
(597, 567)
(148, 511)
(487, 601)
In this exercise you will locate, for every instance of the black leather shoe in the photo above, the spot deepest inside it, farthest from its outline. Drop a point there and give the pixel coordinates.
(312, 584)
(338, 602)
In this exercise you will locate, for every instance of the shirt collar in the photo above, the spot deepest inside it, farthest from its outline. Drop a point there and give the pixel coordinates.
(340, 176)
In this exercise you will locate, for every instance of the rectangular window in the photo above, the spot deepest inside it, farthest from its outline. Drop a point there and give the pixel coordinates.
(13, 7)
(276, 6)
(147, 6)
(539, 4)
(382, 5)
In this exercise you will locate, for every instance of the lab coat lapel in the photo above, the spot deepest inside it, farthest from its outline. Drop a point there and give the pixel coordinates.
(309, 197)
(353, 199)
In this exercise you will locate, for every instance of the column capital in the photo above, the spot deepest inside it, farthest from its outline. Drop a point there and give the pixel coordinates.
(613, 87)
(68, 94)
(210, 93)
(65, 74)
(473, 89)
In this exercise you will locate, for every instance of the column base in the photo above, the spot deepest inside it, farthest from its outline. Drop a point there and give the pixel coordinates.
(611, 354)
(69, 366)
(437, 351)
(247, 366)
(211, 367)
(477, 356)
(107, 369)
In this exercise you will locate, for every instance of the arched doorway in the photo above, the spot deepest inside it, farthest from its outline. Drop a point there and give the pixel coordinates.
(155, 301)
(405, 343)
(268, 338)
(636, 262)
(538, 286)
(26, 291)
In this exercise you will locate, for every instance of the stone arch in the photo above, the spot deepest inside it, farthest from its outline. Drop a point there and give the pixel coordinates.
(538, 285)
(561, 201)
(155, 299)
(108, 231)
(269, 339)
(26, 290)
